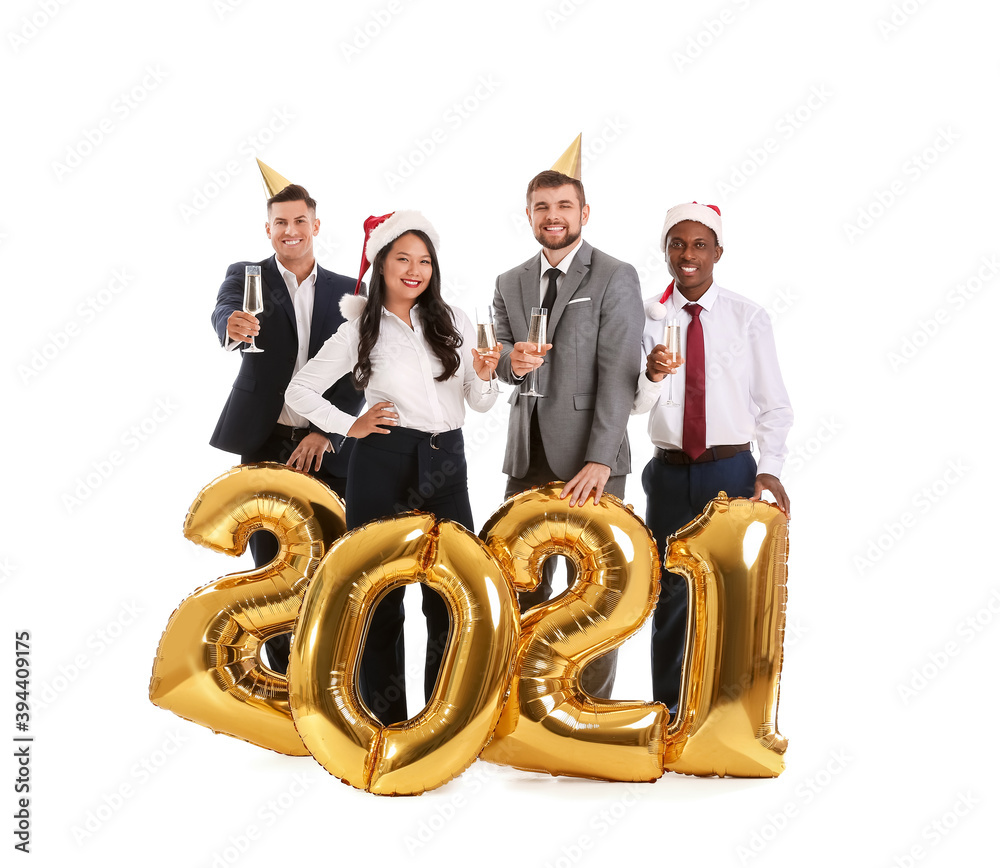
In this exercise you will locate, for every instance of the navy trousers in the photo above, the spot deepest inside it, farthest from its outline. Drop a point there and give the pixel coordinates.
(677, 494)
(389, 474)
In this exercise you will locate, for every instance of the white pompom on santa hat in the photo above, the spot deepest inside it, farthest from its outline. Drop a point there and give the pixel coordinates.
(379, 233)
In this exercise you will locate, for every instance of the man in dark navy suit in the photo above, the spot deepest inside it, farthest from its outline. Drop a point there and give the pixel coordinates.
(301, 310)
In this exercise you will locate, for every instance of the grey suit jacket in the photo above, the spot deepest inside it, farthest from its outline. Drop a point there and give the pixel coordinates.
(590, 373)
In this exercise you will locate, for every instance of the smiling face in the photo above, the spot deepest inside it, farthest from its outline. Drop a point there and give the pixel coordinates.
(291, 226)
(692, 252)
(406, 272)
(557, 218)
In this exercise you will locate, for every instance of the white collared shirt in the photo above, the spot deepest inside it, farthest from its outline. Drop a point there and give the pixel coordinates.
(403, 371)
(563, 266)
(745, 397)
(303, 296)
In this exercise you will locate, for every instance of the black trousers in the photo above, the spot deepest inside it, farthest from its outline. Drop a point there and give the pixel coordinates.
(599, 677)
(389, 474)
(677, 494)
(264, 545)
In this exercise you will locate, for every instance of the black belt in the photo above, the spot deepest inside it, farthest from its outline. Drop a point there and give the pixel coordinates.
(713, 453)
(408, 440)
(290, 433)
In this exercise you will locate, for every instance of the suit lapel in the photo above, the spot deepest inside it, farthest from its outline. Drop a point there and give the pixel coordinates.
(322, 299)
(570, 284)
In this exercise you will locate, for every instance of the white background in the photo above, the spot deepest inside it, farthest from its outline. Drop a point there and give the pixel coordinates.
(130, 131)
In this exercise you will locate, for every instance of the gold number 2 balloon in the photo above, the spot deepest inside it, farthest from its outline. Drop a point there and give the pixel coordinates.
(447, 736)
(734, 558)
(549, 724)
(208, 667)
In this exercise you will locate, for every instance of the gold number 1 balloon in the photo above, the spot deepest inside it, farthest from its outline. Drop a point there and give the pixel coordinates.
(208, 667)
(736, 622)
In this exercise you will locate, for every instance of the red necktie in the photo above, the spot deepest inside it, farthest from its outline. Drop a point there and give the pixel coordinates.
(694, 385)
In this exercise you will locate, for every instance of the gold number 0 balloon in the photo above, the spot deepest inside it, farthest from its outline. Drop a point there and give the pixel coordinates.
(208, 667)
(736, 622)
(549, 724)
(446, 737)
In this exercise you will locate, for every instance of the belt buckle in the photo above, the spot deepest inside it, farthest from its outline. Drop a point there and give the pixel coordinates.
(433, 445)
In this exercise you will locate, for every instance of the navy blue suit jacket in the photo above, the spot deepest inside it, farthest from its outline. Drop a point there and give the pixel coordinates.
(258, 393)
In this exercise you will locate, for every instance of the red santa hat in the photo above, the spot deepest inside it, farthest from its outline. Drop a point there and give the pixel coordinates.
(379, 233)
(708, 215)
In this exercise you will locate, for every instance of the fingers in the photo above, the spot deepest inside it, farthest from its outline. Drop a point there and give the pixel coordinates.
(660, 361)
(381, 415)
(767, 482)
(591, 479)
(527, 357)
(577, 490)
(485, 363)
(598, 491)
(242, 326)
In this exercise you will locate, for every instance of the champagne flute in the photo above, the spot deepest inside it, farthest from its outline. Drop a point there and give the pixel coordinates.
(672, 341)
(536, 336)
(486, 338)
(253, 300)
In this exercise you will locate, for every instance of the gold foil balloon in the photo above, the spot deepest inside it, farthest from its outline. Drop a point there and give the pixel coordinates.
(446, 737)
(208, 667)
(734, 557)
(549, 724)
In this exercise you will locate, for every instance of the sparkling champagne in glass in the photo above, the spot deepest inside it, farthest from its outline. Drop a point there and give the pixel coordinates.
(486, 338)
(672, 341)
(253, 300)
(536, 335)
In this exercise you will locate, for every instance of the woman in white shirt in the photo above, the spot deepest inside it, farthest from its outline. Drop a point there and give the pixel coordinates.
(415, 358)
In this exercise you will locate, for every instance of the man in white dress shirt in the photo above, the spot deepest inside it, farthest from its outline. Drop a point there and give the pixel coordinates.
(301, 310)
(727, 393)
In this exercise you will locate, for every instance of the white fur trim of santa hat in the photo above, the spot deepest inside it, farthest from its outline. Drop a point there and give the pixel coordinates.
(395, 225)
(707, 215)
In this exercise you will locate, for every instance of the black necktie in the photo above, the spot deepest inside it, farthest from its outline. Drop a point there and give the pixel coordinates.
(550, 294)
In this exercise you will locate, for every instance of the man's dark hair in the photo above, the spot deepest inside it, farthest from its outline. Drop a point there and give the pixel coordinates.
(548, 178)
(293, 193)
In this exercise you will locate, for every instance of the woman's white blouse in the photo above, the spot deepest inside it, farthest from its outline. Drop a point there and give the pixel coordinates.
(403, 372)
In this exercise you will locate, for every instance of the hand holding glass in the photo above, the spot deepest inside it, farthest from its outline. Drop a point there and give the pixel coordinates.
(537, 336)
(486, 338)
(253, 300)
(672, 341)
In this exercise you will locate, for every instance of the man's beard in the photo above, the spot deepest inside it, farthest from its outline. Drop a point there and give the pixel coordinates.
(568, 241)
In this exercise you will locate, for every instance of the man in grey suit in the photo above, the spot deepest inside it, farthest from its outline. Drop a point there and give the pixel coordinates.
(587, 373)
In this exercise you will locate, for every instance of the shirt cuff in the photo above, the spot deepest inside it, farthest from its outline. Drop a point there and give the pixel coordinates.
(770, 465)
